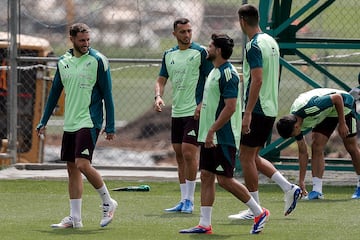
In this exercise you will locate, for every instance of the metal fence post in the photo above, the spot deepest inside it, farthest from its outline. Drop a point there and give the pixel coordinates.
(13, 86)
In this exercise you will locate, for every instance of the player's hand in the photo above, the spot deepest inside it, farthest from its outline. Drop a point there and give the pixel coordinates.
(304, 192)
(343, 130)
(197, 112)
(109, 136)
(158, 104)
(41, 131)
(245, 127)
(209, 141)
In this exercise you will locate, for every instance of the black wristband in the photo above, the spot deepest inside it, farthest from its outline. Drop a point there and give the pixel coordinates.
(299, 137)
(157, 96)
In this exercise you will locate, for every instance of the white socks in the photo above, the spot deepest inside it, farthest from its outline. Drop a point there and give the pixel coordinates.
(183, 191)
(104, 194)
(255, 195)
(254, 207)
(190, 190)
(205, 216)
(75, 204)
(75, 209)
(281, 181)
(317, 184)
(187, 190)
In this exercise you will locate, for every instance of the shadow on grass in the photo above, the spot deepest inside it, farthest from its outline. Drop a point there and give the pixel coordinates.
(216, 235)
(239, 222)
(71, 231)
(210, 236)
(326, 200)
(172, 215)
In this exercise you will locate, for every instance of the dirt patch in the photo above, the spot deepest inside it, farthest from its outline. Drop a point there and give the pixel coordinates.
(149, 132)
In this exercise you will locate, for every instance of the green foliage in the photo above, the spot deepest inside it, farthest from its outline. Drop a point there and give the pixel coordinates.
(28, 207)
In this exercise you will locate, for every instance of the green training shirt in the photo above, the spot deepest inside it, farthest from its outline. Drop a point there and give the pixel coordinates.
(187, 71)
(262, 51)
(87, 84)
(316, 105)
(222, 83)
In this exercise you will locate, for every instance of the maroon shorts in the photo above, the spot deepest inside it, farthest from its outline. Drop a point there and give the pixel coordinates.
(184, 129)
(261, 127)
(79, 144)
(219, 160)
(329, 124)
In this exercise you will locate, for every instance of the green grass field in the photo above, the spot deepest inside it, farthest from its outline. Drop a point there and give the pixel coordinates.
(28, 207)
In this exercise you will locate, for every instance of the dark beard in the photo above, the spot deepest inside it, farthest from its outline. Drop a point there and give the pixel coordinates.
(78, 49)
(210, 57)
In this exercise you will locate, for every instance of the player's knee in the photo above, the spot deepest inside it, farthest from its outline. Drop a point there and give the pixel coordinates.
(317, 146)
(206, 176)
(82, 165)
(222, 181)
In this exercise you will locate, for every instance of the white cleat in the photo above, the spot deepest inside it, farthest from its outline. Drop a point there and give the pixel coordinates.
(67, 222)
(291, 197)
(242, 215)
(108, 212)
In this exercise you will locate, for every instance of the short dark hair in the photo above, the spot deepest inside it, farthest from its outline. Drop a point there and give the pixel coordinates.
(285, 125)
(180, 21)
(78, 27)
(250, 14)
(225, 43)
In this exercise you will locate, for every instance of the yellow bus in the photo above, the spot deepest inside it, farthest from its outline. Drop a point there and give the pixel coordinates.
(31, 96)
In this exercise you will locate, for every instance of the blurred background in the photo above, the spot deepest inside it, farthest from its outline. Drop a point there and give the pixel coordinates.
(134, 35)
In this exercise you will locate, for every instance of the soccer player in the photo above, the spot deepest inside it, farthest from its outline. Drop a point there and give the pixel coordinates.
(321, 110)
(219, 135)
(355, 92)
(185, 65)
(84, 75)
(261, 79)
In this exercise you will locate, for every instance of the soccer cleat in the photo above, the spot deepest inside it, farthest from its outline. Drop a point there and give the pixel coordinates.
(291, 198)
(314, 195)
(108, 212)
(67, 222)
(356, 194)
(176, 208)
(198, 229)
(187, 207)
(259, 222)
(242, 215)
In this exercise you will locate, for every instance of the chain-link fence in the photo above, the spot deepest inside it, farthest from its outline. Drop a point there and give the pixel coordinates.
(133, 35)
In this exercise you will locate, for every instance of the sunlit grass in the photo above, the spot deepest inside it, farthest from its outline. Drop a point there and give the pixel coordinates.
(28, 207)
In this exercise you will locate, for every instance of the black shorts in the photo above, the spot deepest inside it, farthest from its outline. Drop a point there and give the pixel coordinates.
(329, 124)
(184, 129)
(219, 160)
(261, 127)
(79, 144)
